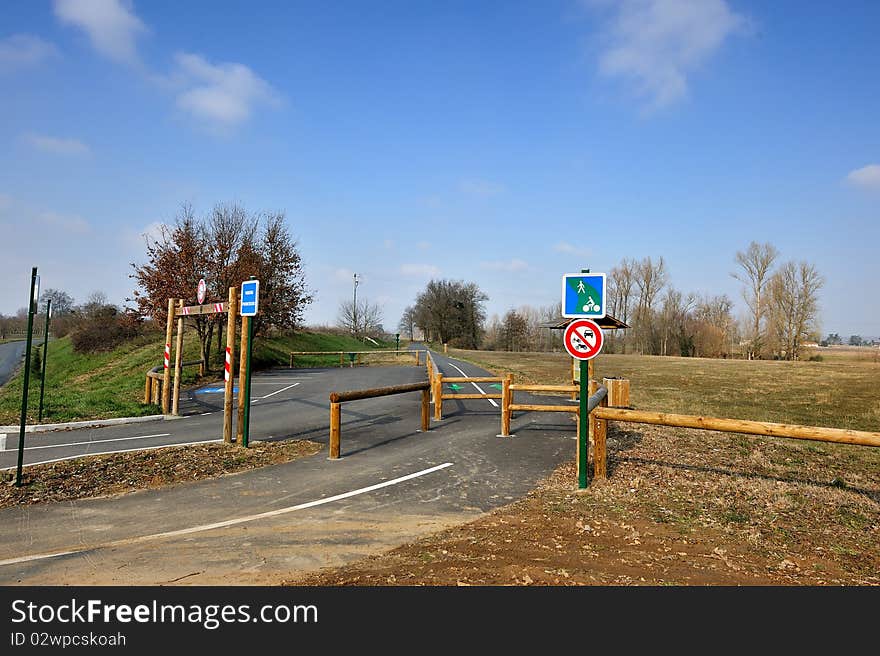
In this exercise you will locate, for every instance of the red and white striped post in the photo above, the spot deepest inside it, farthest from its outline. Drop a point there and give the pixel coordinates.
(166, 377)
(228, 377)
(167, 355)
(228, 364)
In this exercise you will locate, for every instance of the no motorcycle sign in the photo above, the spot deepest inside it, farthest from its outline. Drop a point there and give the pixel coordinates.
(583, 339)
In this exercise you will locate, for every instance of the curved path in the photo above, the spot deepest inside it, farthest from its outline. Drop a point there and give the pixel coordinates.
(392, 485)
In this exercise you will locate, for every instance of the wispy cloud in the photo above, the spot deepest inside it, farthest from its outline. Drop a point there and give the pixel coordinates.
(420, 270)
(570, 249)
(223, 94)
(56, 145)
(111, 25)
(64, 222)
(508, 266)
(656, 44)
(24, 50)
(480, 188)
(867, 177)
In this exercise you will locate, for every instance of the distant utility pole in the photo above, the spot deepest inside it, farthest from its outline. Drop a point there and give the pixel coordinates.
(354, 307)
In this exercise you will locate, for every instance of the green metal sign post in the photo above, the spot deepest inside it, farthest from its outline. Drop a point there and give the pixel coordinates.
(245, 436)
(583, 424)
(27, 375)
(45, 356)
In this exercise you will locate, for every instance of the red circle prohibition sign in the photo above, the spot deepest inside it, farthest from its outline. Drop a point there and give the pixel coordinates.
(583, 339)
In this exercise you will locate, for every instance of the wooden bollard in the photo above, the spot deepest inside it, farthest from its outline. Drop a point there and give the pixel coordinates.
(426, 419)
(438, 397)
(417, 359)
(506, 400)
(335, 415)
(618, 392)
(591, 423)
(600, 432)
(148, 390)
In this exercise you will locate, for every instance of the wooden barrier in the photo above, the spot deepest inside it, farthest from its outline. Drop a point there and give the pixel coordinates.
(817, 433)
(618, 392)
(338, 398)
(358, 355)
(439, 396)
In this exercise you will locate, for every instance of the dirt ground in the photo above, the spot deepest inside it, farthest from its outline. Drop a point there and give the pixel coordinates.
(680, 507)
(111, 474)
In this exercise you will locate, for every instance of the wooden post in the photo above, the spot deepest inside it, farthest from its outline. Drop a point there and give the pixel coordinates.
(426, 421)
(618, 392)
(148, 390)
(417, 358)
(166, 376)
(591, 420)
(178, 365)
(291, 360)
(574, 370)
(242, 378)
(506, 400)
(157, 391)
(340, 359)
(445, 348)
(600, 462)
(335, 413)
(229, 368)
(438, 397)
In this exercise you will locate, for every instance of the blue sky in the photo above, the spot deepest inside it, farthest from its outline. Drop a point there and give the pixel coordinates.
(501, 143)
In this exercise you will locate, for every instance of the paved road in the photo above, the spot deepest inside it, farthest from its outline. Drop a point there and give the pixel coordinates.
(10, 357)
(392, 485)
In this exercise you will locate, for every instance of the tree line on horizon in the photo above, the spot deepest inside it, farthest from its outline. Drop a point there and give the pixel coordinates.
(781, 313)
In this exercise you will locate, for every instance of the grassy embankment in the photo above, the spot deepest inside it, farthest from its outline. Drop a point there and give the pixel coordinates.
(102, 385)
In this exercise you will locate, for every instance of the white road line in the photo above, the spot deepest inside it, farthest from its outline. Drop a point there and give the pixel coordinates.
(492, 401)
(115, 439)
(229, 522)
(279, 391)
(104, 453)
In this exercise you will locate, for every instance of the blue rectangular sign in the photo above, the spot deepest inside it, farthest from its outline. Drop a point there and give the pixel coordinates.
(583, 295)
(250, 297)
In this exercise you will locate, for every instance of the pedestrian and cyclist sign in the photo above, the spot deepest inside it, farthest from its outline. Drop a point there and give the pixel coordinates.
(583, 295)
(583, 339)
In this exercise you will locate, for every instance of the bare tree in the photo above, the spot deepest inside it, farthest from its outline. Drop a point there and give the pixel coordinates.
(650, 278)
(794, 306)
(756, 262)
(407, 323)
(620, 291)
(363, 320)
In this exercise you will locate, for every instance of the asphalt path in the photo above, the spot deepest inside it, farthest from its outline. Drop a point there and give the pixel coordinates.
(392, 485)
(10, 358)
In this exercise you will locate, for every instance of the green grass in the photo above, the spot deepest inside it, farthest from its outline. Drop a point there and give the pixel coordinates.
(839, 394)
(82, 386)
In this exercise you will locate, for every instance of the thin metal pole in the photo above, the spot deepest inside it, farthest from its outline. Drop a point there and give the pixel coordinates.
(27, 378)
(45, 356)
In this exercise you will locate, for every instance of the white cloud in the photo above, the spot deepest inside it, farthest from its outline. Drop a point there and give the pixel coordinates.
(64, 222)
(656, 44)
(22, 50)
(569, 249)
(420, 270)
(59, 146)
(111, 25)
(867, 177)
(481, 188)
(509, 266)
(222, 94)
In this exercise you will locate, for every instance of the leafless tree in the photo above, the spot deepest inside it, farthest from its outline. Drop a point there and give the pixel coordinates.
(756, 263)
(363, 320)
(794, 306)
(650, 279)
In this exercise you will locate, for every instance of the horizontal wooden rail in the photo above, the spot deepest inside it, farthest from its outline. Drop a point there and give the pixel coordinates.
(152, 391)
(542, 408)
(818, 433)
(355, 395)
(337, 398)
(472, 379)
(341, 354)
(544, 388)
(448, 397)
